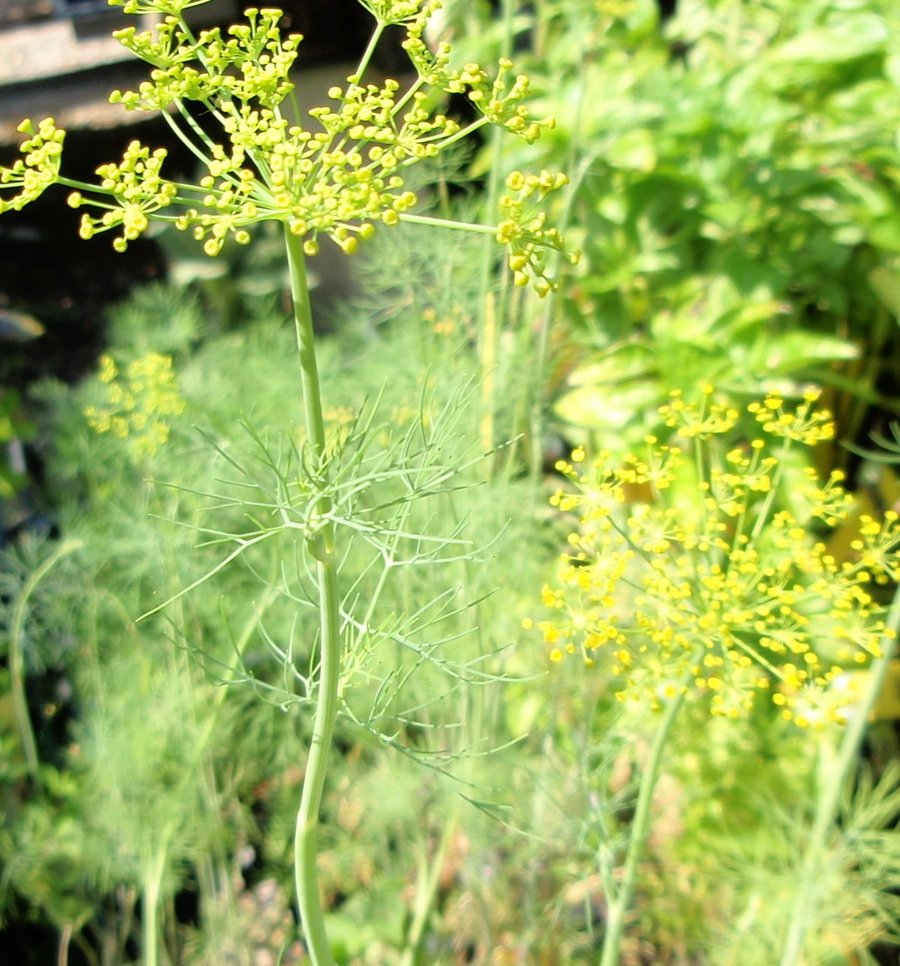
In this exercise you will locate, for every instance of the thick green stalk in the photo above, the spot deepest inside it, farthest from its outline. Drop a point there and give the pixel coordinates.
(827, 806)
(620, 904)
(321, 546)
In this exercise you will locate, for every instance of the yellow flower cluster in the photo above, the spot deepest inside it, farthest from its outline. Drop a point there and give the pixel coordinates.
(400, 11)
(252, 63)
(139, 402)
(493, 97)
(137, 189)
(686, 566)
(145, 7)
(342, 176)
(39, 168)
(524, 229)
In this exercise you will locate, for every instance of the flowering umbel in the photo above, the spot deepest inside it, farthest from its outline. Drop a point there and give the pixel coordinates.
(139, 402)
(38, 167)
(341, 174)
(732, 592)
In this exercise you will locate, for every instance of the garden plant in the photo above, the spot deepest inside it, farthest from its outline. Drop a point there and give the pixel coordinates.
(728, 601)
(682, 751)
(340, 176)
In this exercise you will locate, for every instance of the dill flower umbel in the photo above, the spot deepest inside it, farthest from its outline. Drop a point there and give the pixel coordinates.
(138, 402)
(341, 172)
(704, 560)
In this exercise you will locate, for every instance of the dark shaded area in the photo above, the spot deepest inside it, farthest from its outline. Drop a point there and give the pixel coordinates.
(332, 29)
(25, 943)
(63, 281)
(667, 9)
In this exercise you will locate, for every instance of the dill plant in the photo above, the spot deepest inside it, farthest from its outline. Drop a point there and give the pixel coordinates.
(339, 174)
(700, 572)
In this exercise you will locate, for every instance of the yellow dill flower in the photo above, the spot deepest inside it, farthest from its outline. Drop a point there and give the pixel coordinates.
(692, 419)
(138, 403)
(805, 425)
(653, 580)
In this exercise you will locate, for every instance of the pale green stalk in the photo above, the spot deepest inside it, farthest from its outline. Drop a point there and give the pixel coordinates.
(817, 850)
(489, 335)
(17, 656)
(619, 905)
(65, 940)
(321, 546)
(435, 222)
(151, 876)
(369, 52)
(429, 880)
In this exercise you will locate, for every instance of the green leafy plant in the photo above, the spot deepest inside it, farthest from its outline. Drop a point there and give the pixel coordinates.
(340, 176)
(730, 190)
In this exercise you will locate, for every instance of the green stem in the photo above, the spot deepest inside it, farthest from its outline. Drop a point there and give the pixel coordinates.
(153, 869)
(17, 655)
(429, 881)
(65, 940)
(185, 140)
(494, 309)
(620, 904)
(447, 223)
(321, 546)
(462, 134)
(540, 357)
(415, 86)
(828, 802)
(497, 137)
(364, 61)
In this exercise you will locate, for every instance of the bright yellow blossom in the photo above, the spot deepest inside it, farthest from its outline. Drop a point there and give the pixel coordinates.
(737, 579)
(138, 402)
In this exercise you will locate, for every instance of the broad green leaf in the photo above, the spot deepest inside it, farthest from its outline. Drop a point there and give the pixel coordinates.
(634, 151)
(885, 283)
(844, 39)
(746, 315)
(609, 408)
(798, 349)
(884, 232)
(892, 68)
(628, 360)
